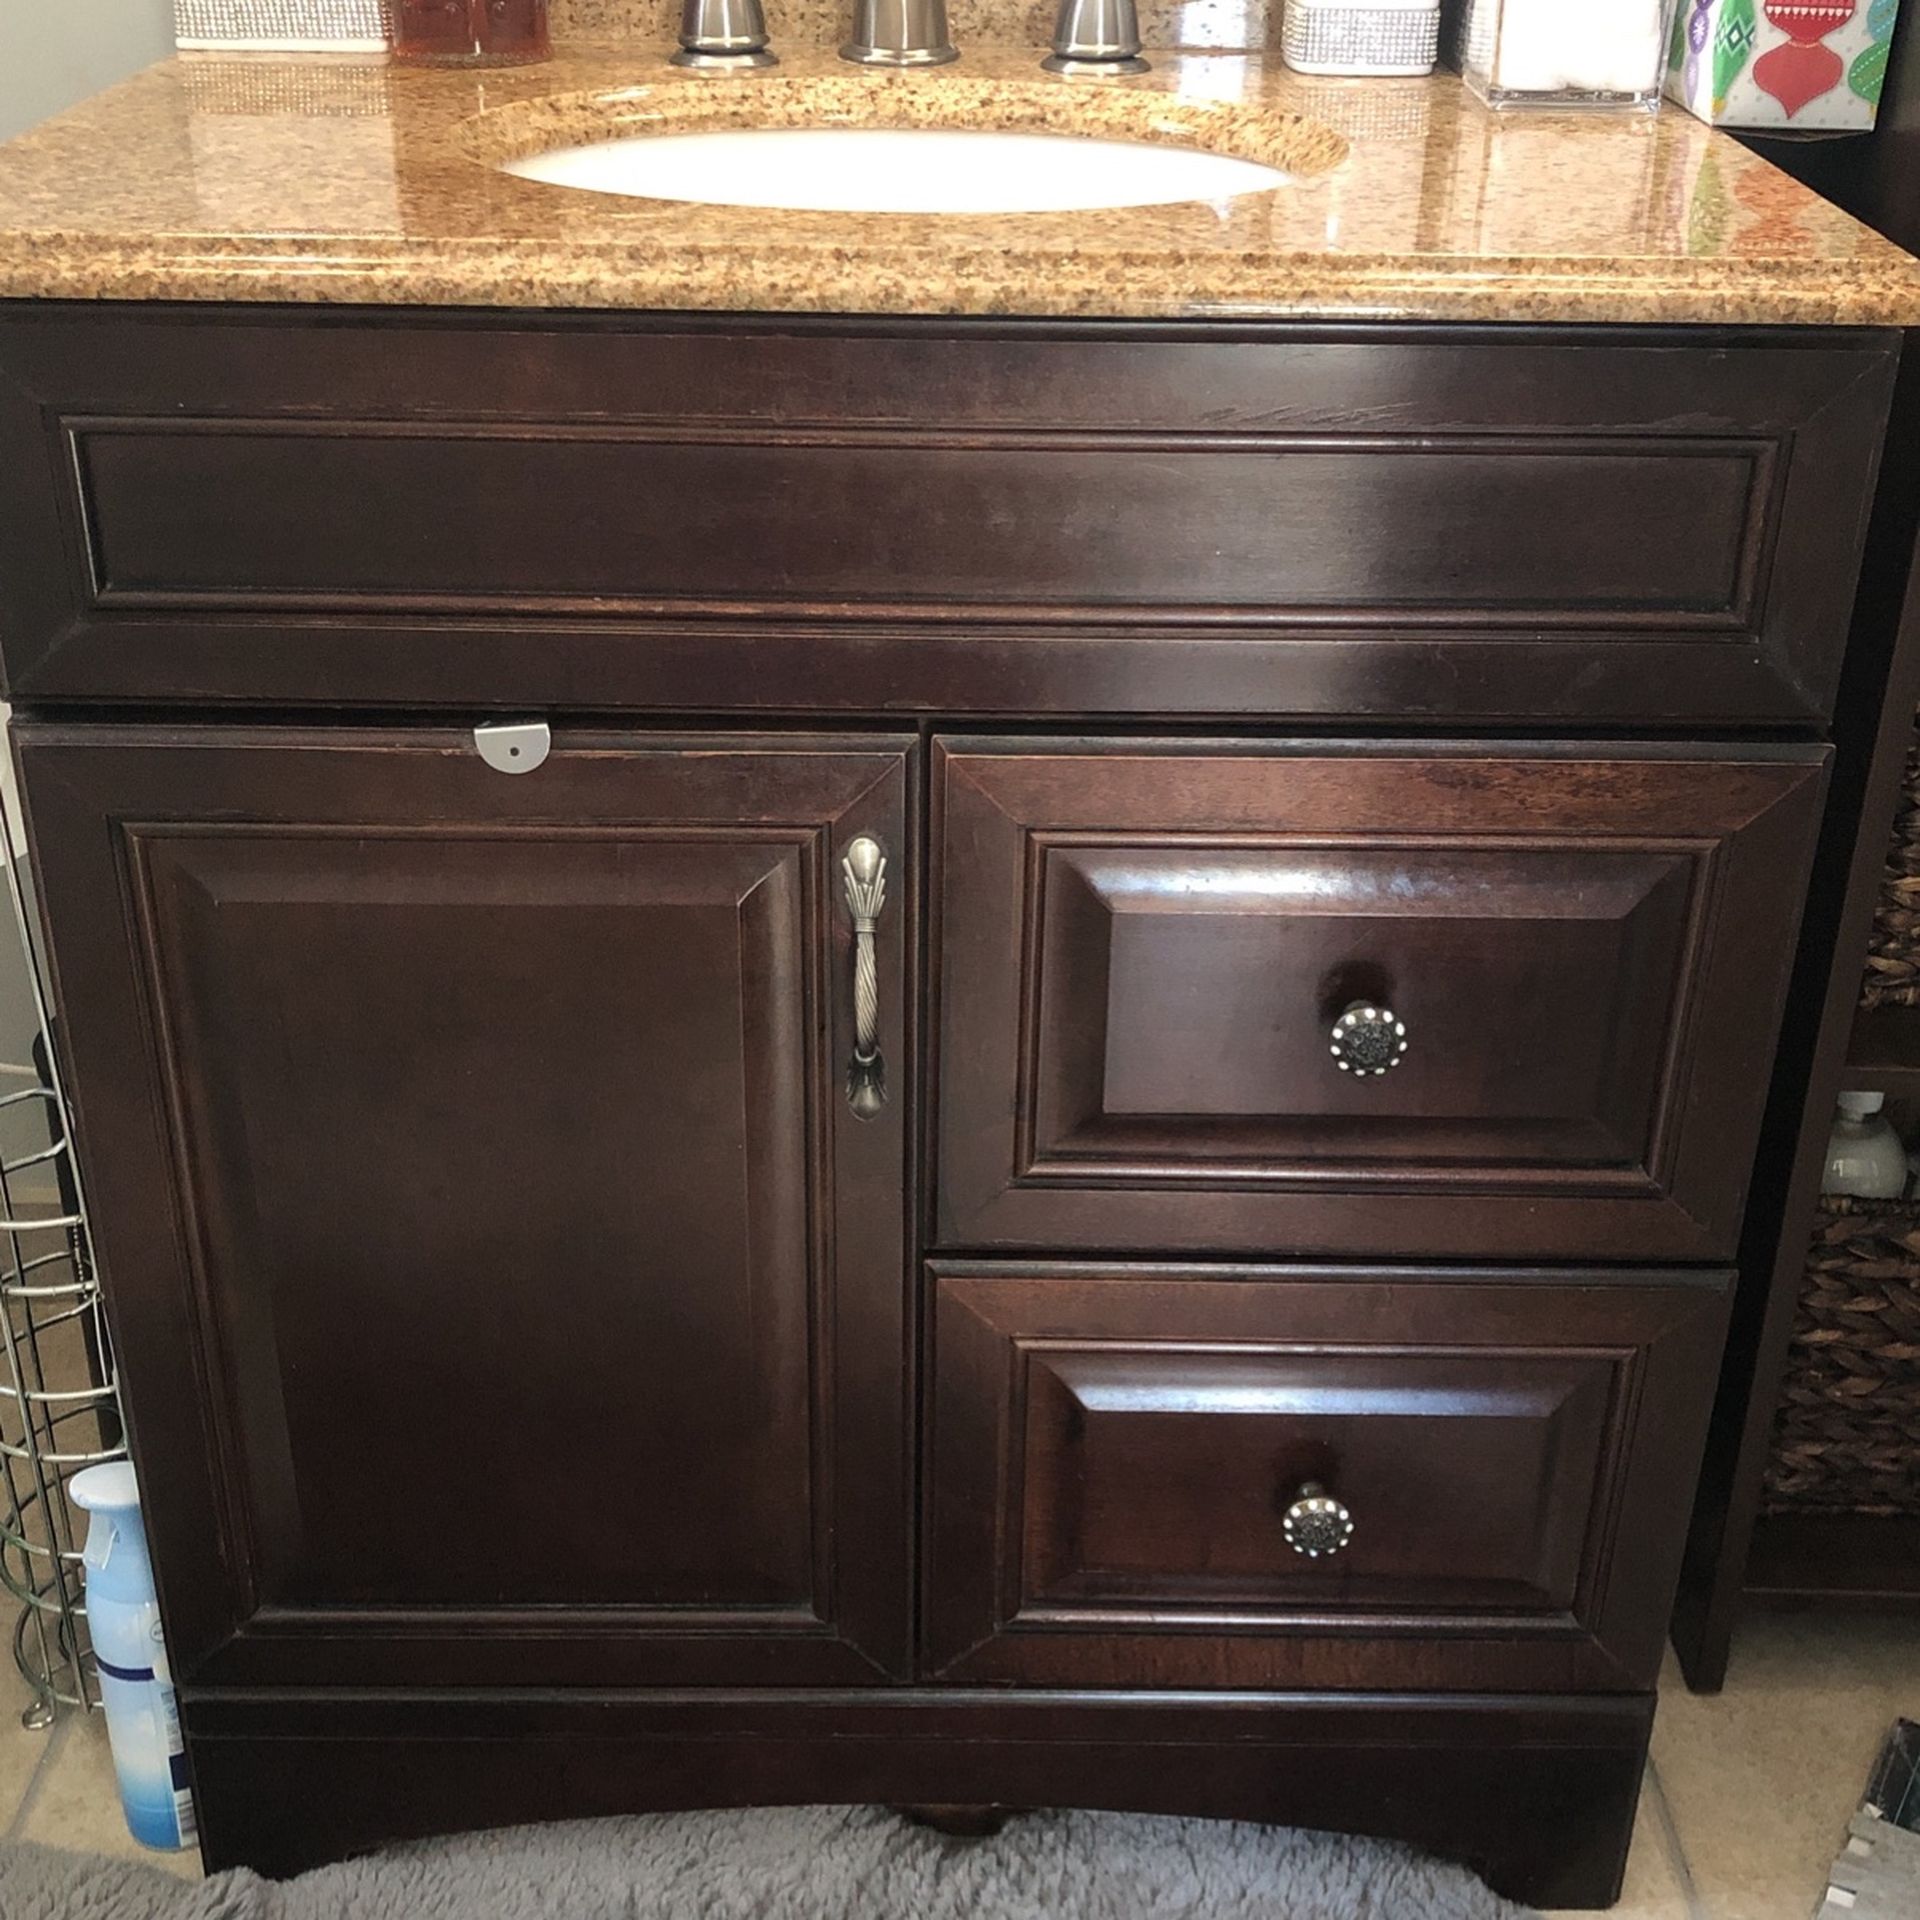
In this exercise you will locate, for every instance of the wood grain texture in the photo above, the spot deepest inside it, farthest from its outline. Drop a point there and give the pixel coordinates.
(1144, 946)
(1873, 735)
(479, 1145)
(1110, 1452)
(1012, 518)
(545, 1402)
(1536, 1794)
(1878, 180)
(1145, 528)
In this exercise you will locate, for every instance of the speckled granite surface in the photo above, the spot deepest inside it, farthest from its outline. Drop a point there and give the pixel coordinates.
(276, 181)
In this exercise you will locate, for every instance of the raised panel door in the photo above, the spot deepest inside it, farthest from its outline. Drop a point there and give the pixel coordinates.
(508, 1290)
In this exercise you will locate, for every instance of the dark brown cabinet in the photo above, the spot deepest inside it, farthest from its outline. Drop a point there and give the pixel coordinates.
(625, 1303)
(481, 1144)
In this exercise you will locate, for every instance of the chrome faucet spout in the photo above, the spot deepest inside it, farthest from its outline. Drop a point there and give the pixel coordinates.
(900, 33)
(723, 35)
(1096, 38)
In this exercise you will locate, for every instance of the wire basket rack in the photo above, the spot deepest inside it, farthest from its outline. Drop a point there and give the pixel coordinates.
(59, 1399)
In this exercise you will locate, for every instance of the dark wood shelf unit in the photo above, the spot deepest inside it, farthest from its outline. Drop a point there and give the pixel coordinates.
(1736, 1556)
(1816, 1062)
(1883, 1055)
(1839, 1559)
(1866, 1561)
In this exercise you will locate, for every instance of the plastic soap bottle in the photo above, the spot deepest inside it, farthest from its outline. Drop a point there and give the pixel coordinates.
(1864, 1156)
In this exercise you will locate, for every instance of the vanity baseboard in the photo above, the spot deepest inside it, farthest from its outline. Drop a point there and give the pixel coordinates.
(1536, 1793)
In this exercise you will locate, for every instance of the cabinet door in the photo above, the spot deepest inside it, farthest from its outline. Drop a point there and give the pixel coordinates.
(1147, 950)
(507, 1290)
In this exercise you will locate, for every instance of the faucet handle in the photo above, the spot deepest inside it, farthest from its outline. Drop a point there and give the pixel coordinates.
(1096, 37)
(723, 34)
(899, 33)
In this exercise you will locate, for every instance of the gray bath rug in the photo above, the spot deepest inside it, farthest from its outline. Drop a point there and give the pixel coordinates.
(806, 1863)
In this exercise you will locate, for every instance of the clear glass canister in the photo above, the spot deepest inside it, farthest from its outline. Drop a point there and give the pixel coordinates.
(471, 33)
(1565, 53)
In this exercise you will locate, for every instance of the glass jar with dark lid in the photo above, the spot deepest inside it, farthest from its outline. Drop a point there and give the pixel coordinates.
(471, 33)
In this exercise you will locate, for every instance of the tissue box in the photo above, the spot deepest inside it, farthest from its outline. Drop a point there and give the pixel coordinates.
(1814, 64)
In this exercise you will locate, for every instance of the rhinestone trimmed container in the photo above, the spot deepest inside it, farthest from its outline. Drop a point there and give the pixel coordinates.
(303, 26)
(1377, 37)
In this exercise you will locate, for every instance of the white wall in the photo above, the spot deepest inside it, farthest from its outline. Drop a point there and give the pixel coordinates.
(54, 52)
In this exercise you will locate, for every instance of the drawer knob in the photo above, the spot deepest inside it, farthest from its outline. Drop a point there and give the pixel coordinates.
(1368, 1039)
(1316, 1524)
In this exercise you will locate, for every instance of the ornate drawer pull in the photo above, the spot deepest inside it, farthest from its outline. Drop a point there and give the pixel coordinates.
(1316, 1525)
(1367, 1039)
(864, 870)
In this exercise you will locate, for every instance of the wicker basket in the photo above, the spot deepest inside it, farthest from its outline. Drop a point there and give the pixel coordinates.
(1893, 959)
(1847, 1437)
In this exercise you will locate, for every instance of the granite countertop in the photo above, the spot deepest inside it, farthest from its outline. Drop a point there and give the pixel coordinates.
(251, 179)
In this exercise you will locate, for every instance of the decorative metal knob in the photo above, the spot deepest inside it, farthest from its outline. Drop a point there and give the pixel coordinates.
(1316, 1525)
(1368, 1039)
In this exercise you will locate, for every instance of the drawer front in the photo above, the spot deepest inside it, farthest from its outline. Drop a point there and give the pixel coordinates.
(604, 512)
(1145, 948)
(1114, 1454)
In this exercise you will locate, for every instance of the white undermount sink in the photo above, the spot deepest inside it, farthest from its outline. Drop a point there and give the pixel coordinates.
(897, 170)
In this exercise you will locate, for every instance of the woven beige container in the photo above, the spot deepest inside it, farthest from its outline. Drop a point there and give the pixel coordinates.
(307, 26)
(1893, 958)
(1847, 1436)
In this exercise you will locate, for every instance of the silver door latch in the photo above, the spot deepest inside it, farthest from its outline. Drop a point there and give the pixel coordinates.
(514, 746)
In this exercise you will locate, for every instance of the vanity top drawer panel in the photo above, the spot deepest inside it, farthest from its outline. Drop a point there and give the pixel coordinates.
(906, 523)
(1576, 955)
(1128, 1466)
(993, 518)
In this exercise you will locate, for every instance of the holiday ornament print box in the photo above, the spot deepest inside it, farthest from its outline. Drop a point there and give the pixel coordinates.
(1812, 64)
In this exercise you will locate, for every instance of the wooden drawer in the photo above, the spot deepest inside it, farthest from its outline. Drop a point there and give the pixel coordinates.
(993, 518)
(1113, 1452)
(1143, 948)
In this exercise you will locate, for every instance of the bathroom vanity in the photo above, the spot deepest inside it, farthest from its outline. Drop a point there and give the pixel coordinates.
(960, 1058)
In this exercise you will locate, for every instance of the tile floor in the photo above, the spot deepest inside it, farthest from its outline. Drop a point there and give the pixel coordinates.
(57, 1786)
(1743, 1810)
